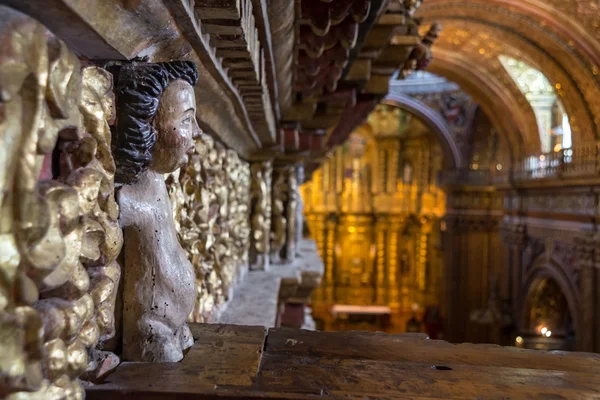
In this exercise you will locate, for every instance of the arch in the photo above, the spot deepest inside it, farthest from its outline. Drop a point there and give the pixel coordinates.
(536, 30)
(562, 24)
(544, 268)
(510, 120)
(434, 121)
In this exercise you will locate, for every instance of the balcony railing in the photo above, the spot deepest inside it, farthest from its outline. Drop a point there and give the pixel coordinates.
(581, 161)
(577, 162)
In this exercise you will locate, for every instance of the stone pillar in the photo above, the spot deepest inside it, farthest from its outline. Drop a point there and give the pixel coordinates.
(260, 189)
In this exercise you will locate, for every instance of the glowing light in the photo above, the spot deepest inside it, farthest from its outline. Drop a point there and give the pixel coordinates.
(542, 157)
(499, 167)
(558, 147)
(558, 85)
(352, 229)
(544, 330)
(548, 333)
(519, 340)
(481, 51)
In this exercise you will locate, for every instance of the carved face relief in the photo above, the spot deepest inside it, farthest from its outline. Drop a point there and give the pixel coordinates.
(176, 127)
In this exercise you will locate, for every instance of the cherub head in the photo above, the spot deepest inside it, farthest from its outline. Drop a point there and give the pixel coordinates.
(156, 118)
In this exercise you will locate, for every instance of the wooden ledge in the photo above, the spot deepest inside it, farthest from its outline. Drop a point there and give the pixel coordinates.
(251, 362)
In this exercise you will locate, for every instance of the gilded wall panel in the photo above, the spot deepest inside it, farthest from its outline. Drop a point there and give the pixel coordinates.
(59, 235)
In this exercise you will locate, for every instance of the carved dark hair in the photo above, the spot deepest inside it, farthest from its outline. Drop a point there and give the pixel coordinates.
(139, 88)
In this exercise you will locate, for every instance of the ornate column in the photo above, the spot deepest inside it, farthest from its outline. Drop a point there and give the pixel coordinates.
(588, 259)
(299, 207)
(284, 211)
(291, 208)
(451, 250)
(395, 227)
(514, 236)
(381, 238)
(331, 228)
(260, 241)
(279, 194)
(422, 249)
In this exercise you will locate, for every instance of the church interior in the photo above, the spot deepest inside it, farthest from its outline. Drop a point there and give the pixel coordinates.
(299, 199)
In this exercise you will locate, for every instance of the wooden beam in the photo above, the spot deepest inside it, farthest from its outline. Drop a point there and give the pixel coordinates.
(300, 112)
(378, 84)
(360, 70)
(238, 39)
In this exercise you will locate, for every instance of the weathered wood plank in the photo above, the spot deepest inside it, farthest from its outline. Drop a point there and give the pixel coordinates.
(228, 362)
(408, 348)
(358, 378)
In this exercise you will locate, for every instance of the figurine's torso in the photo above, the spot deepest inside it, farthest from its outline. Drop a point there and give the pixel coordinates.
(159, 286)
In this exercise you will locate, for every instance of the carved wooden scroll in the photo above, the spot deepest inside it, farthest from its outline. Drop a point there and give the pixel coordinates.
(260, 244)
(210, 198)
(58, 229)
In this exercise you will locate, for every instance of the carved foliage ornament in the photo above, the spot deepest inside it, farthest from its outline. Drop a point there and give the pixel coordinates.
(58, 232)
(278, 215)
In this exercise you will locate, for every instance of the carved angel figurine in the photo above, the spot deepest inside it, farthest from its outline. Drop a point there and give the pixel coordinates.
(154, 134)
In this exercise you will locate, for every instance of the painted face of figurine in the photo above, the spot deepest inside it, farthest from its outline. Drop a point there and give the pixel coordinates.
(176, 127)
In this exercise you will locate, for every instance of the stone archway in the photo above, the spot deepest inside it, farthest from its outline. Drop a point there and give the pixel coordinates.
(549, 301)
(434, 121)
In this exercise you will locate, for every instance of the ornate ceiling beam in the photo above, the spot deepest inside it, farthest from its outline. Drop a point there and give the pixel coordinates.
(233, 32)
(157, 31)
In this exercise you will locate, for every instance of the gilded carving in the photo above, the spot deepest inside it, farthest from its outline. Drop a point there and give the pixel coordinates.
(278, 215)
(382, 250)
(58, 233)
(155, 129)
(261, 214)
(291, 211)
